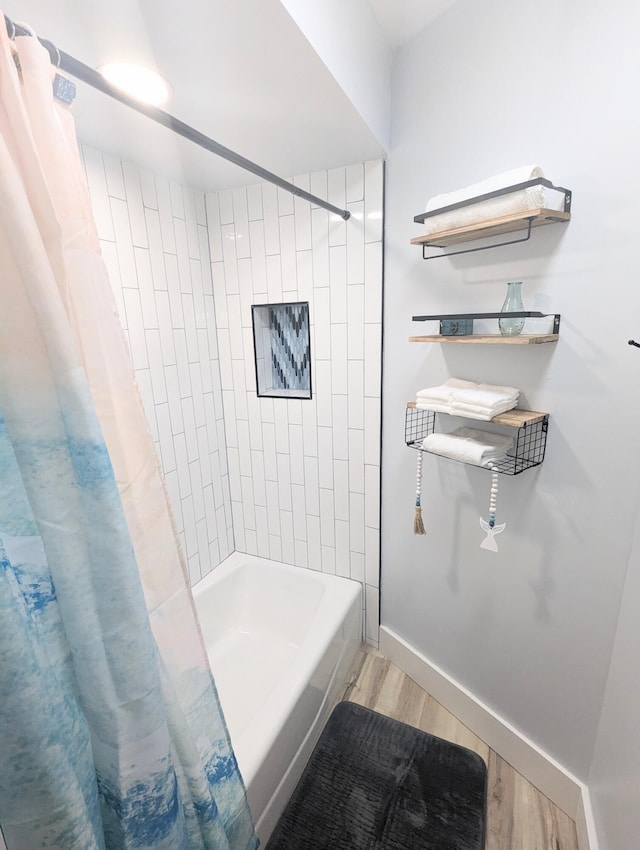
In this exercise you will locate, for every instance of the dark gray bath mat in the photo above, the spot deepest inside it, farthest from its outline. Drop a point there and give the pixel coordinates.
(373, 783)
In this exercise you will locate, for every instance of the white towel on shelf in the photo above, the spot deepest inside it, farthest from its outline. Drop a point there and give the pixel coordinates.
(481, 448)
(459, 384)
(491, 184)
(445, 391)
(522, 200)
(465, 398)
(471, 411)
(507, 392)
(439, 395)
(435, 406)
(485, 398)
(439, 398)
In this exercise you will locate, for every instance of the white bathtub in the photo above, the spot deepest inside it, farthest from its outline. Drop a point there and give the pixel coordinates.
(280, 641)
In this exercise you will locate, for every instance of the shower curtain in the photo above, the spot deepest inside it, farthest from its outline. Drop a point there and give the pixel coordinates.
(111, 732)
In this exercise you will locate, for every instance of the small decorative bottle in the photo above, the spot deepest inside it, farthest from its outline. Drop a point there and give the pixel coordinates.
(512, 304)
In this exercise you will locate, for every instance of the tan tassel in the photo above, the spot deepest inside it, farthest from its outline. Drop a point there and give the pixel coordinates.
(418, 525)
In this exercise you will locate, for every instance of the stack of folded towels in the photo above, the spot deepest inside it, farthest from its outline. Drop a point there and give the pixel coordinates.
(466, 398)
(482, 448)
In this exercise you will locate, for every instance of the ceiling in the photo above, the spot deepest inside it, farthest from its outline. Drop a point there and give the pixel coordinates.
(241, 72)
(402, 19)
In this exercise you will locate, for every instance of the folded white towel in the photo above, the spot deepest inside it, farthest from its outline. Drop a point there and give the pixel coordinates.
(468, 445)
(441, 395)
(437, 407)
(459, 383)
(471, 411)
(522, 200)
(446, 390)
(499, 407)
(483, 396)
(484, 402)
(507, 392)
(465, 398)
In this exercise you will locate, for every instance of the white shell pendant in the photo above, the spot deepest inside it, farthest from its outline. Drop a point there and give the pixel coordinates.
(489, 541)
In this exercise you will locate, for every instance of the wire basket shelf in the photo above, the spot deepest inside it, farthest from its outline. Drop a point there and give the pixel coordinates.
(529, 445)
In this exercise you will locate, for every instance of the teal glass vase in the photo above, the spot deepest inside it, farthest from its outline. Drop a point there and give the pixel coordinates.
(512, 326)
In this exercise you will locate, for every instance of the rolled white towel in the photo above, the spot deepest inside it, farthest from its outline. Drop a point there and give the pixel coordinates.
(522, 200)
(469, 445)
(491, 184)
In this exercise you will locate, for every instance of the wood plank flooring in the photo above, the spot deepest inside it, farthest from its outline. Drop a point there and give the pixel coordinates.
(519, 817)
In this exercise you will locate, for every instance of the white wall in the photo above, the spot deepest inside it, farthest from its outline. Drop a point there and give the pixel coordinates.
(304, 474)
(529, 630)
(614, 780)
(349, 40)
(155, 243)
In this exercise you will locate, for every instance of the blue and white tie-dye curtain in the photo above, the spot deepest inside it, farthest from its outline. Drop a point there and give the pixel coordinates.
(111, 732)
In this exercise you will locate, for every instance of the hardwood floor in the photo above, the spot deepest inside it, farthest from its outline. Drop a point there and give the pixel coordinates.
(519, 817)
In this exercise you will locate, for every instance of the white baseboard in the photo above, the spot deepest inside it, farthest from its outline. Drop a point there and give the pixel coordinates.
(585, 823)
(561, 787)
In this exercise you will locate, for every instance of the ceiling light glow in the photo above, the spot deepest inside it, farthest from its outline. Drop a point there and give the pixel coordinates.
(141, 83)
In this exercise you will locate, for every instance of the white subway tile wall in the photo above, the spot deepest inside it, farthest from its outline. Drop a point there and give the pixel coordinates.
(155, 243)
(304, 475)
(291, 480)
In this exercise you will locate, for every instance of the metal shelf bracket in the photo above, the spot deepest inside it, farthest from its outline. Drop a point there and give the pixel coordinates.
(481, 247)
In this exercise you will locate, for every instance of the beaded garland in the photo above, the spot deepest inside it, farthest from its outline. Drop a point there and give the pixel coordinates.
(490, 528)
(418, 524)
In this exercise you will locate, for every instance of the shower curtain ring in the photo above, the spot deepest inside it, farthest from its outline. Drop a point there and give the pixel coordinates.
(51, 47)
(26, 27)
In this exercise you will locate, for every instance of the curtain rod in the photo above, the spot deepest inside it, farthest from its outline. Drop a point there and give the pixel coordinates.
(88, 75)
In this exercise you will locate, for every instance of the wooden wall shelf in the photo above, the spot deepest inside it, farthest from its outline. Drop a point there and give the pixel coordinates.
(515, 418)
(495, 339)
(493, 227)
(498, 226)
(488, 339)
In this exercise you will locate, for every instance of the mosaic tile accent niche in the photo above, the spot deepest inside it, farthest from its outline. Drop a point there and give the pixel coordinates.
(282, 349)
